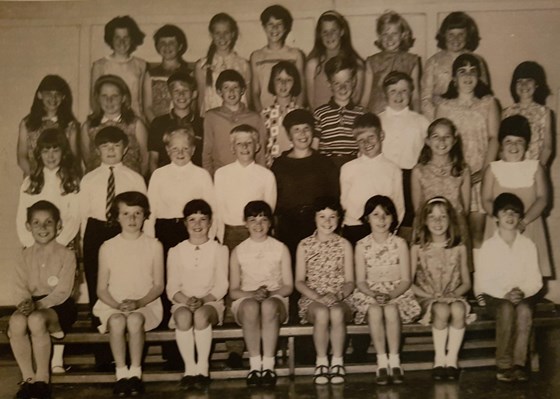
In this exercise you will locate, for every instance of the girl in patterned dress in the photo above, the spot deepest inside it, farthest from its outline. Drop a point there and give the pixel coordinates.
(51, 108)
(325, 279)
(383, 286)
(441, 280)
(529, 91)
(469, 104)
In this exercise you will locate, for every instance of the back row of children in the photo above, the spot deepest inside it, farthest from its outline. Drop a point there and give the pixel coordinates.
(370, 174)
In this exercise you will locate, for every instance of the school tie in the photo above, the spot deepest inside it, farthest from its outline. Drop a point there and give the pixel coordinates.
(110, 192)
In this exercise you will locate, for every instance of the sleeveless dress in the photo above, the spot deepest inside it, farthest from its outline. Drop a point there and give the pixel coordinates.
(383, 275)
(470, 120)
(324, 262)
(537, 115)
(519, 178)
(381, 64)
(132, 158)
(130, 266)
(439, 272)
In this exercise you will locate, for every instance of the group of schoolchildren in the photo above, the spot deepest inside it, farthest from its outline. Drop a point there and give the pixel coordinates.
(233, 158)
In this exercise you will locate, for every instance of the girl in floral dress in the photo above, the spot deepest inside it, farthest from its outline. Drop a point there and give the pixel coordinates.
(383, 294)
(325, 279)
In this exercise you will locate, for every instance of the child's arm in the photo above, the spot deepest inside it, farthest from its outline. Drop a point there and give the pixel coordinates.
(466, 190)
(220, 276)
(368, 82)
(287, 278)
(427, 90)
(546, 151)
(493, 124)
(487, 191)
(72, 132)
(398, 195)
(300, 62)
(349, 285)
(85, 144)
(310, 69)
(142, 137)
(147, 97)
(70, 217)
(22, 145)
(465, 275)
(25, 200)
(416, 189)
(175, 282)
(270, 195)
(419, 292)
(415, 75)
(208, 147)
(157, 277)
(65, 284)
(260, 156)
(22, 295)
(96, 71)
(301, 271)
(235, 291)
(360, 79)
(536, 209)
(200, 76)
(154, 191)
(404, 266)
(103, 279)
(361, 275)
(255, 84)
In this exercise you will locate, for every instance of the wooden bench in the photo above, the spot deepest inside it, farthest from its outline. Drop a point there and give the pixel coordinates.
(417, 351)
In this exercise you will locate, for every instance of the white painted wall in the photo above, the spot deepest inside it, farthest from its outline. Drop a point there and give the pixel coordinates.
(37, 38)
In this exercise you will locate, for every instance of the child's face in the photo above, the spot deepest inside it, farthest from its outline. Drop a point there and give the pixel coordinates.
(179, 150)
(169, 48)
(301, 136)
(222, 36)
(379, 220)
(121, 41)
(438, 221)
(326, 221)
(369, 141)
(244, 147)
(110, 99)
(181, 95)
(466, 78)
(342, 85)
(507, 219)
(331, 34)
(111, 153)
(455, 39)
(441, 140)
(43, 227)
(198, 225)
(390, 37)
(513, 148)
(258, 226)
(51, 100)
(398, 95)
(283, 84)
(525, 88)
(51, 157)
(275, 30)
(130, 218)
(231, 93)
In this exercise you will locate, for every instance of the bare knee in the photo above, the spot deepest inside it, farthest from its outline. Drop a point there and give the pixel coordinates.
(375, 314)
(269, 309)
(37, 323)
(135, 322)
(321, 315)
(458, 310)
(524, 314)
(249, 311)
(117, 323)
(441, 313)
(337, 315)
(18, 324)
(202, 317)
(183, 319)
(391, 313)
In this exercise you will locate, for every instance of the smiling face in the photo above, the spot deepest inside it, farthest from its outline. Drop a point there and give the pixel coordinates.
(179, 149)
(169, 48)
(283, 84)
(466, 78)
(525, 88)
(111, 153)
(182, 95)
(110, 99)
(513, 148)
(43, 226)
(342, 85)
(455, 39)
(398, 95)
(438, 223)
(275, 30)
(51, 157)
(379, 220)
(51, 100)
(222, 36)
(130, 218)
(258, 227)
(326, 221)
(301, 136)
(121, 41)
(391, 37)
(244, 147)
(369, 141)
(331, 33)
(441, 140)
(508, 219)
(231, 93)
(198, 225)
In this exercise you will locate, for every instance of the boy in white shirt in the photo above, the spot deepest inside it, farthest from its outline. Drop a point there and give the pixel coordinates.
(509, 278)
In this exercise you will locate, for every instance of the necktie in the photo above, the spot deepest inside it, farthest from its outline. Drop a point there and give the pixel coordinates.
(110, 192)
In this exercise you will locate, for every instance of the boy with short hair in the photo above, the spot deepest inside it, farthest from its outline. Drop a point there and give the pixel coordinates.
(334, 121)
(509, 278)
(43, 288)
(405, 131)
(218, 123)
(182, 89)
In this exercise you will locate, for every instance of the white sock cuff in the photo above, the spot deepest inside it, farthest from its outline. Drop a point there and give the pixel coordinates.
(322, 361)
(382, 360)
(337, 361)
(121, 372)
(135, 372)
(255, 363)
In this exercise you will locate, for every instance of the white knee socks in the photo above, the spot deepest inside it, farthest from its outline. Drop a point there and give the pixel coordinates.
(440, 340)
(453, 345)
(203, 342)
(185, 342)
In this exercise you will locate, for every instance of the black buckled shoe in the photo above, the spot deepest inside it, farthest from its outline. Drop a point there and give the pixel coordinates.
(268, 378)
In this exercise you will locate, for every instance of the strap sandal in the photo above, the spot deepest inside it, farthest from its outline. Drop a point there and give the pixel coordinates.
(337, 373)
(321, 375)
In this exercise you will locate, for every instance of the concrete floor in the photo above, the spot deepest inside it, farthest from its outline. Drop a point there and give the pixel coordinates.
(473, 384)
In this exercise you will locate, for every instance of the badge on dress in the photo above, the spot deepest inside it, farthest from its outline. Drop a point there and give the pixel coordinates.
(52, 281)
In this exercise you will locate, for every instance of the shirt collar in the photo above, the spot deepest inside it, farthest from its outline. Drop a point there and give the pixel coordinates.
(187, 119)
(393, 112)
(116, 119)
(239, 166)
(365, 158)
(53, 119)
(181, 168)
(228, 111)
(498, 237)
(350, 105)
(115, 166)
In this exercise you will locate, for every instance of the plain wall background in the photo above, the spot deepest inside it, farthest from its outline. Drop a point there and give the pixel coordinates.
(39, 38)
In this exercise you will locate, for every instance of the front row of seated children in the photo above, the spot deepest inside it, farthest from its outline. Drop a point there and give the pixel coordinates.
(260, 281)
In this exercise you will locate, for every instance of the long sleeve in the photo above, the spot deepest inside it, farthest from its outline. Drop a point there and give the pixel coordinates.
(21, 290)
(65, 285)
(531, 283)
(398, 196)
(345, 184)
(270, 194)
(25, 237)
(221, 270)
(70, 215)
(155, 205)
(84, 197)
(173, 273)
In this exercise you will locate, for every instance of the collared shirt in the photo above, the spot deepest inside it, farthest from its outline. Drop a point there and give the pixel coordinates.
(198, 270)
(172, 186)
(405, 132)
(501, 267)
(365, 177)
(45, 270)
(67, 204)
(236, 185)
(167, 123)
(333, 127)
(218, 123)
(93, 192)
